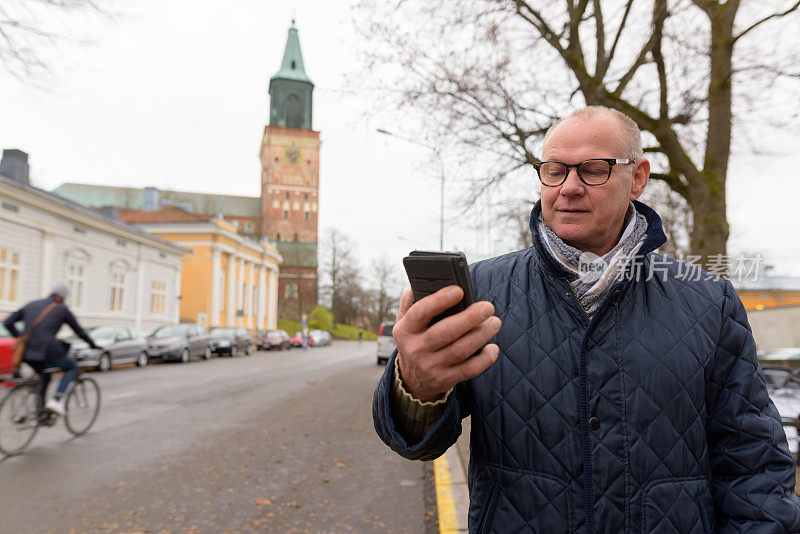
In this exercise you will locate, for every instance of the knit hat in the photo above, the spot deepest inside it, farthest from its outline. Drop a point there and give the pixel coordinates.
(60, 289)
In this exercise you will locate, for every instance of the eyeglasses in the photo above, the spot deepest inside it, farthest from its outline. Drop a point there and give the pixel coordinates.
(591, 172)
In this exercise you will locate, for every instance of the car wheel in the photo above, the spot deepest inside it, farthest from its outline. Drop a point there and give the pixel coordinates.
(207, 353)
(142, 360)
(248, 350)
(185, 355)
(234, 351)
(104, 363)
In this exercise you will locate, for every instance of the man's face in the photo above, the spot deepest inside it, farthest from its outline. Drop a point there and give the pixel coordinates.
(590, 217)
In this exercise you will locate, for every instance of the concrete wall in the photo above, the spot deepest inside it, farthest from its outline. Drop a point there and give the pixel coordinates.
(776, 328)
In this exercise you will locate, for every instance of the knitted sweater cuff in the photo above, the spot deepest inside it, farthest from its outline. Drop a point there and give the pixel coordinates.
(413, 417)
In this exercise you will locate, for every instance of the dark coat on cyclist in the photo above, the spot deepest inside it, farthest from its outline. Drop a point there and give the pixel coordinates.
(43, 345)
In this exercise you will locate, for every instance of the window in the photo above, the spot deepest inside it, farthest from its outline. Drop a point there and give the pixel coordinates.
(306, 196)
(123, 334)
(287, 195)
(158, 297)
(249, 227)
(285, 214)
(9, 275)
(76, 279)
(291, 291)
(306, 215)
(117, 302)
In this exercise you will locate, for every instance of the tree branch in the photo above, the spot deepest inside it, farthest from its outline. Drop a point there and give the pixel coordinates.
(617, 37)
(600, 37)
(641, 59)
(765, 19)
(659, 16)
(673, 181)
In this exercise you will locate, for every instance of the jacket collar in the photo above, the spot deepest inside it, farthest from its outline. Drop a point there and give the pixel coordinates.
(655, 236)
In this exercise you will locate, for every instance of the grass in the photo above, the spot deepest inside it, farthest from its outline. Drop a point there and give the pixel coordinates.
(340, 331)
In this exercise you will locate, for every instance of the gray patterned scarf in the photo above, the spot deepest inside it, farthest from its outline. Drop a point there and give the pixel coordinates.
(592, 277)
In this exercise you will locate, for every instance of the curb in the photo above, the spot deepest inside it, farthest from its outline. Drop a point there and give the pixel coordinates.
(452, 494)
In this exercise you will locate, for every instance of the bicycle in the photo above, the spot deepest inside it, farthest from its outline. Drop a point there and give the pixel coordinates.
(22, 410)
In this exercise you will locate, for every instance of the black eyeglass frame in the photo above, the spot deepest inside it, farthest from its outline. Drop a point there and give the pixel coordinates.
(577, 166)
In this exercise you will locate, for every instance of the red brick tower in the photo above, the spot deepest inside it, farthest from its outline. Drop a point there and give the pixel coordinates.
(290, 182)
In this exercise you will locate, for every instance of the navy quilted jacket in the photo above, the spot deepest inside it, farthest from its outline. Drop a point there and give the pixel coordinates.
(651, 417)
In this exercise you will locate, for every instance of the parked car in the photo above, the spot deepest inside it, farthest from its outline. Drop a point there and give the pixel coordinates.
(274, 339)
(179, 342)
(118, 344)
(789, 357)
(783, 385)
(230, 341)
(320, 337)
(297, 340)
(6, 344)
(386, 344)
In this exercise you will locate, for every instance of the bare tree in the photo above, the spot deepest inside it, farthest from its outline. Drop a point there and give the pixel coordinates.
(342, 288)
(493, 75)
(384, 296)
(27, 30)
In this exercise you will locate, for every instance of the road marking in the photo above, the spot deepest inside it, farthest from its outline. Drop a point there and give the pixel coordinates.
(445, 503)
(123, 395)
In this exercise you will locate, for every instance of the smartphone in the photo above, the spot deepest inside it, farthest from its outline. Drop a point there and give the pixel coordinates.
(429, 271)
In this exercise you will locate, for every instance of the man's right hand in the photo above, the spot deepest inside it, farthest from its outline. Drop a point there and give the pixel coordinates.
(433, 360)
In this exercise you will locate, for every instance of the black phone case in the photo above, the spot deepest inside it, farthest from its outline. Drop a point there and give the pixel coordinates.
(429, 272)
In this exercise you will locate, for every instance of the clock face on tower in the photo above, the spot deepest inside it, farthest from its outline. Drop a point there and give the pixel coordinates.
(292, 155)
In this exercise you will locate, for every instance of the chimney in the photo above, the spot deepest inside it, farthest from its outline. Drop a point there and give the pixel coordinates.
(110, 212)
(14, 165)
(151, 199)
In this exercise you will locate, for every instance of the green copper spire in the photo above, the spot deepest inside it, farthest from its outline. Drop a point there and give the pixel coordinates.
(292, 67)
(290, 90)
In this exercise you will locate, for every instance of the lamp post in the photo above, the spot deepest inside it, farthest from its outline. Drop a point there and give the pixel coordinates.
(438, 153)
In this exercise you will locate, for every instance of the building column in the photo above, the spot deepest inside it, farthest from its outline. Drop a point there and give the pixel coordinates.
(231, 315)
(216, 268)
(177, 295)
(240, 293)
(46, 273)
(251, 290)
(262, 297)
(139, 290)
(272, 314)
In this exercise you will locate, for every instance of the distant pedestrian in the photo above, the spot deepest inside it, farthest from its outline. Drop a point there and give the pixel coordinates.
(43, 319)
(360, 336)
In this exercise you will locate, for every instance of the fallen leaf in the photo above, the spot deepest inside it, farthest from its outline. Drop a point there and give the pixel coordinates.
(263, 501)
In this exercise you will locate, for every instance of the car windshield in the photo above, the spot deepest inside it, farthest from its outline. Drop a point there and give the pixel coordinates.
(222, 331)
(169, 331)
(4, 332)
(102, 332)
(273, 334)
(387, 330)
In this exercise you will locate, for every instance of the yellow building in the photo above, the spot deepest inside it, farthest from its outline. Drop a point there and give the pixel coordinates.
(229, 279)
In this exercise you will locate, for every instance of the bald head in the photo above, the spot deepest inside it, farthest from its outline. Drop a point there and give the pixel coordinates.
(630, 138)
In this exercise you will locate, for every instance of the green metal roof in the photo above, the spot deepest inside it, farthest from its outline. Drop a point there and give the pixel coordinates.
(292, 67)
(133, 198)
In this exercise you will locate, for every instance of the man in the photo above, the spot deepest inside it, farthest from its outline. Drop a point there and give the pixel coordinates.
(43, 350)
(617, 395)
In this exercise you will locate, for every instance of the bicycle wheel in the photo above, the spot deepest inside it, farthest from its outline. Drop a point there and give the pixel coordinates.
(18, 419)
(82, 406)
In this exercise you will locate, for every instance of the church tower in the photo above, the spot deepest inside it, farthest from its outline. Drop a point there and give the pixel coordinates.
(290, 181)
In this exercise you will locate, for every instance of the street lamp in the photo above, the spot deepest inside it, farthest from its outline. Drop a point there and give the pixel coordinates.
(437, 151)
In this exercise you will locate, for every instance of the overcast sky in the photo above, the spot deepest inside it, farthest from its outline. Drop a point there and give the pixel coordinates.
(173, 94)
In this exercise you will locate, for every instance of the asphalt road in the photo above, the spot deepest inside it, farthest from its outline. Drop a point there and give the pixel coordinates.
(274, 442)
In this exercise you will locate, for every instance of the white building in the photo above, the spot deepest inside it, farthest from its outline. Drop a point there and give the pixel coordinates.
(117, 273)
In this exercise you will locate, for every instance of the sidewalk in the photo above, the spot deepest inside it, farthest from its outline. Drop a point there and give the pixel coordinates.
(452, 495)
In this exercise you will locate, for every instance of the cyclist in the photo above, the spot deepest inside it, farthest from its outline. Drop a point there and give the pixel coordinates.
(42, 349)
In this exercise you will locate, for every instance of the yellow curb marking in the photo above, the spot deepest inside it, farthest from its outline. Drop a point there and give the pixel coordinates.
(445, 503)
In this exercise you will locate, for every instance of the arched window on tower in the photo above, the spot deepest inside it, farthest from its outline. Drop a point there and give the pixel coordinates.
(294, 112)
